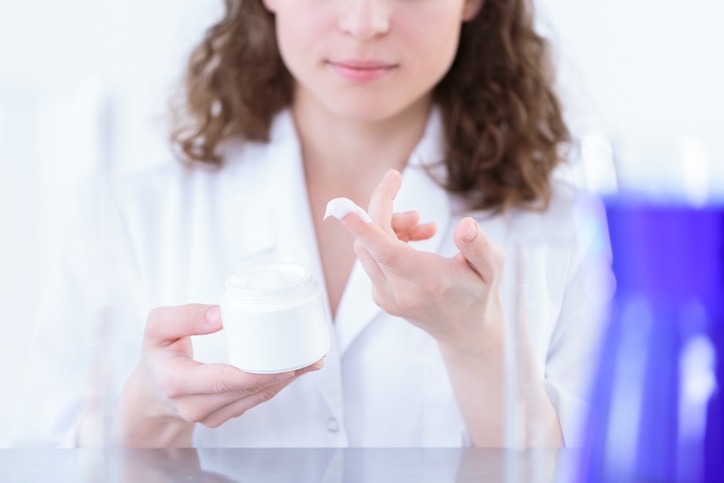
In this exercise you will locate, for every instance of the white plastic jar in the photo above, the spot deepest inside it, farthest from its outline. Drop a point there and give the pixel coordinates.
(275, 317)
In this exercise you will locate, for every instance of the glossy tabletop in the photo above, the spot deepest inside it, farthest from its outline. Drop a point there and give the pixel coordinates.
(286, 465)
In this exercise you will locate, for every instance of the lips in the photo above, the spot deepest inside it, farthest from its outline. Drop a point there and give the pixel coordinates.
(362, 70)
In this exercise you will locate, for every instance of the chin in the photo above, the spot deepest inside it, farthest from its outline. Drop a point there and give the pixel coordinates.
(368, 111)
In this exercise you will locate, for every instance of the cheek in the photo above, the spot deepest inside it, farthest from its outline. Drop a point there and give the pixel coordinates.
(299, 35)
(435, 52)
(288, 35)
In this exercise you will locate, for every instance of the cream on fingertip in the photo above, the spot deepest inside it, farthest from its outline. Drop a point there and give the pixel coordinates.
(340, 207)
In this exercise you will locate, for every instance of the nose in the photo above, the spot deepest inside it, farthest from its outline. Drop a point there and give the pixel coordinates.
(365, 19)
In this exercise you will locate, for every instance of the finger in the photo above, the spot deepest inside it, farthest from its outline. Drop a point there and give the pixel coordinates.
(196, 408)
(381, 201)
(422, 231)
(385, 250)
(484, 256)
(240, 406)
(168, 324)
(241, 403)
(407, 227)
(190, 377)
(369, 264)
(311, 368)
(405, 221)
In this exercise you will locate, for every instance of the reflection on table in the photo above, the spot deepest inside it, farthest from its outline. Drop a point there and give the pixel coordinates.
(399, 465)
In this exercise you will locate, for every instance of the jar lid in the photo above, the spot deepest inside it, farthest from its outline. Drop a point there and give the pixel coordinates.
(269, 283)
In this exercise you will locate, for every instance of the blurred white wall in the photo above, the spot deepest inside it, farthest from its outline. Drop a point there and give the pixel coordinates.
(646, 76)
(84, 86)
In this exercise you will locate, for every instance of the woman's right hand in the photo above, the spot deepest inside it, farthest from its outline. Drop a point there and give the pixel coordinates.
(169, 392)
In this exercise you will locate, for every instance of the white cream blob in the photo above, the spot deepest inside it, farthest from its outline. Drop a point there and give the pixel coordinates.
(339, 207)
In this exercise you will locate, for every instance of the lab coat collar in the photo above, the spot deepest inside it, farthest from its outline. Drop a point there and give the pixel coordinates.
(280, 219)
(295, 237)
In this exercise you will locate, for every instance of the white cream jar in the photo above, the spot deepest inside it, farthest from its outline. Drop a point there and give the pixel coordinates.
(275, 317)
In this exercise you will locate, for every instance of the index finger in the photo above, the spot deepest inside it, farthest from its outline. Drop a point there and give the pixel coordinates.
(385, 249)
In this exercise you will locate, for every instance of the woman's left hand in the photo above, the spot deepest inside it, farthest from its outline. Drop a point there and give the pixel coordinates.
(456, 300)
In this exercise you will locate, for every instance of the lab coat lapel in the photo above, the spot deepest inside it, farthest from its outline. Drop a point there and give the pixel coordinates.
(296, 240)
(418, 192)
(278, 226)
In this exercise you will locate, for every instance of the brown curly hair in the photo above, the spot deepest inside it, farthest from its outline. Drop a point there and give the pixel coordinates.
(502, 118)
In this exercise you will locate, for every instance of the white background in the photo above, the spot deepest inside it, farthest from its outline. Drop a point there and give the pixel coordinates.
(84, 85)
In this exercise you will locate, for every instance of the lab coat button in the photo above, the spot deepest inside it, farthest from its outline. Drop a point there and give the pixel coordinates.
(332, 425)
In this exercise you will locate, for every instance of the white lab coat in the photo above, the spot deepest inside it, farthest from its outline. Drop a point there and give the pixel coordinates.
(170, 236)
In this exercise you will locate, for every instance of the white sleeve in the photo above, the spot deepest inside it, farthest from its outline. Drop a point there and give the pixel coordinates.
(573, 353)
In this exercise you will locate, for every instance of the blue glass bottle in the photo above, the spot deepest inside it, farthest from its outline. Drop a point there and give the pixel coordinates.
(658, 406)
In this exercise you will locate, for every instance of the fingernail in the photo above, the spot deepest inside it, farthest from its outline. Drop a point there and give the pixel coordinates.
(285, 375)
(213, 315)
(390, 173)
(314, 367)
(470, 234)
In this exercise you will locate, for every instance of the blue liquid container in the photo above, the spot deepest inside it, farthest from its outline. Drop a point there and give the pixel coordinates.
(658, 400)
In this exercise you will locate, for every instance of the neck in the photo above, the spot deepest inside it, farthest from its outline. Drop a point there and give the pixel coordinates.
(350, 156)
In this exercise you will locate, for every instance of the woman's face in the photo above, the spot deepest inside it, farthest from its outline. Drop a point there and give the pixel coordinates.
(368, 59)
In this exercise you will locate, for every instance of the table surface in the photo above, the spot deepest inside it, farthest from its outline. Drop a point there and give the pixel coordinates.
(323, 465)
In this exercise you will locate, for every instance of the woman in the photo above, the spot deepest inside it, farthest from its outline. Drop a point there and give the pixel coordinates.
(292, 103)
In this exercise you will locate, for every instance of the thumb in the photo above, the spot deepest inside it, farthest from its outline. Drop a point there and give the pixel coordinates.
(168, 324)
(482, 254)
